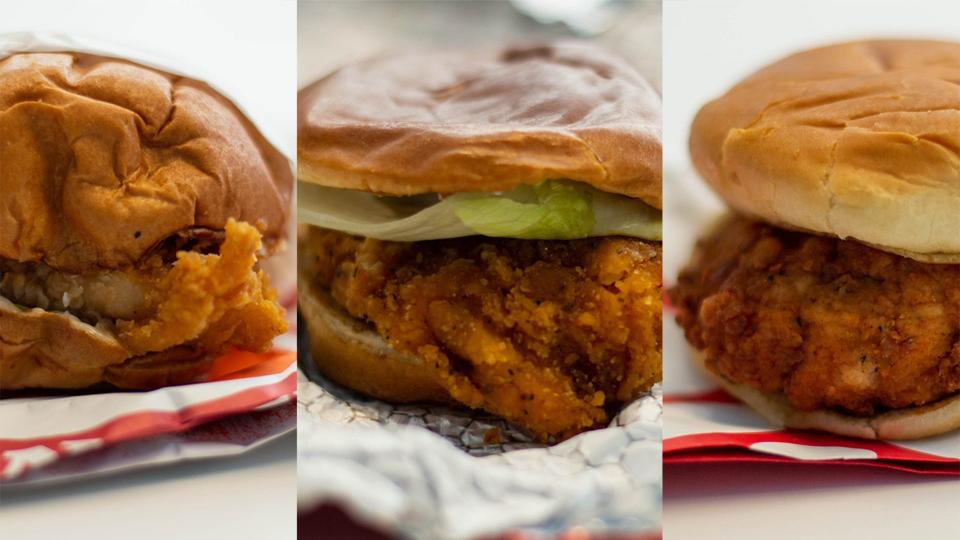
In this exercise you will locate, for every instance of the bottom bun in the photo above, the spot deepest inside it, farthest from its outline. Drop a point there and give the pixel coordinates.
(45, 349)
(909, 423)
(170, 367)
(352, 354)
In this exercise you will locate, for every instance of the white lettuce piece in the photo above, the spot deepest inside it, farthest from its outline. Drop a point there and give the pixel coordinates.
(400, 219)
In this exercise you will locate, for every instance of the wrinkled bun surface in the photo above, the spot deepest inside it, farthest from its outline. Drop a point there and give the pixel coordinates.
(483, 121)
(936, 418)
(102, 159)
(858, 140)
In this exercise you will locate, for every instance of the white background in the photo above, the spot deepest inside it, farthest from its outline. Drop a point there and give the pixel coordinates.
(248, 49)
(708, 46)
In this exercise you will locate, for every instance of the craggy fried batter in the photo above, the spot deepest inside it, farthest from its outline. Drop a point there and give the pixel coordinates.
(830, 323)
(552, 335)
(216, 299)
(160, 322)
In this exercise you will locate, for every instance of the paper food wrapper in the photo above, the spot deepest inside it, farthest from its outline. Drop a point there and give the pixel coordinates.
(703, 424)
(426, 472)
(228, 436)
(249, 397)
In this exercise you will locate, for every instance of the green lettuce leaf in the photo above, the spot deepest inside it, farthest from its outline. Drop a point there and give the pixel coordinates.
(550, 210)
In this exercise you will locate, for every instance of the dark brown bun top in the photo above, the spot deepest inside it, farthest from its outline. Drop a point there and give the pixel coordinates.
(858, 140)
(102, 158)
(485, 120)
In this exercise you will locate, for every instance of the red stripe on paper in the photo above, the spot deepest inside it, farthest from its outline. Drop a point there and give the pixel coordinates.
(710, 396)
(884, 450)
(740, 456)
(147, 423)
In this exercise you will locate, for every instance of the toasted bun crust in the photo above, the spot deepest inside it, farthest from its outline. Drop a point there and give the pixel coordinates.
(102, 159)
(858, 140)
(353, 355)
(928, 420)
(483, 121)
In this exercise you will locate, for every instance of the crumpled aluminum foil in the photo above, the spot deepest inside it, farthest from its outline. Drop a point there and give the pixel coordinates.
(425, 472)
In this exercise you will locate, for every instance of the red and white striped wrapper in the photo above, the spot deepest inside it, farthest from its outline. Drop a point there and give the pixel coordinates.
(703, 424)
(41, 431)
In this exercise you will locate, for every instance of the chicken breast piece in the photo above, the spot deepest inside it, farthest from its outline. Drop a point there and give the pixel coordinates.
(829, 323)
(553, 335)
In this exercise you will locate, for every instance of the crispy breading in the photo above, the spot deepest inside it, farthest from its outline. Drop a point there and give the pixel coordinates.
(553, 335)
(160, 322)
(830, 323)
(216, 299)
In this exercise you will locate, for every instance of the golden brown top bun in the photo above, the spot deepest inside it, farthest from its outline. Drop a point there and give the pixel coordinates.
(102, 159)
(858, 140)
(487, 120)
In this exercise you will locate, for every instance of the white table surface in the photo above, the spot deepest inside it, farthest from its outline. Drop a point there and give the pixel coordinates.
(253, 495)
(708, 46)
(788, 502)
(247, 48)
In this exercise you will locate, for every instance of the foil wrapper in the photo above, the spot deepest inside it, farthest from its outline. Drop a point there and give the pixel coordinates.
(434, 472)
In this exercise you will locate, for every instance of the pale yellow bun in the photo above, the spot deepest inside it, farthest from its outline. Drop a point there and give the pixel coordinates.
(352, 354)
(858, 140)
(103, 159)
(487, 120)
(928, 420)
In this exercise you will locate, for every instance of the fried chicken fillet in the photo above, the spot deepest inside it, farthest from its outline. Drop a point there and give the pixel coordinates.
(829, 323)
(553, 335)
(185, 311)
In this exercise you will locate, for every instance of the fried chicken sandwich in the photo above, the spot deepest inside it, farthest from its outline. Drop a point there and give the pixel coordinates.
(135, 207)
(482, 228)
(831, 300)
